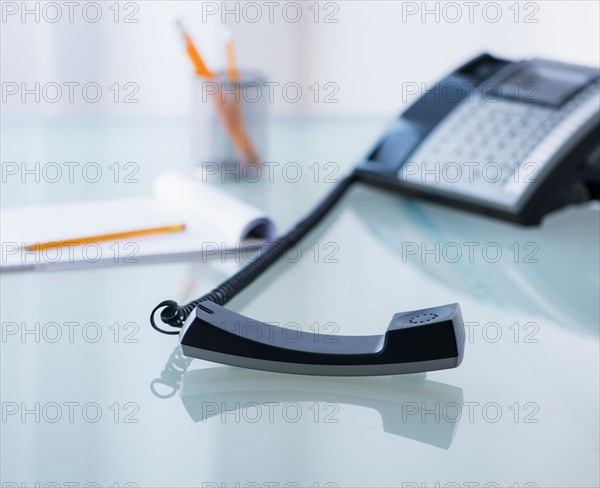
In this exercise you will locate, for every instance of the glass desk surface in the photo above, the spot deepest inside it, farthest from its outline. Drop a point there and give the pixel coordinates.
(92, 395)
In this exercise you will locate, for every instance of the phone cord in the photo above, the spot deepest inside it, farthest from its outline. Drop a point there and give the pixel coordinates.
(175, 315)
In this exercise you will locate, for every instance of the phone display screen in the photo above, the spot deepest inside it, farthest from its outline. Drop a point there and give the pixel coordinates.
(544, 84)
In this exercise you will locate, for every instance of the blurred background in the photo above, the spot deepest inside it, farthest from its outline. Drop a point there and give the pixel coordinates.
(108, 85)
(348, 57)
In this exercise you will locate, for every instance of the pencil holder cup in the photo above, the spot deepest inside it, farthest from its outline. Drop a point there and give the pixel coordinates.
(229, 122)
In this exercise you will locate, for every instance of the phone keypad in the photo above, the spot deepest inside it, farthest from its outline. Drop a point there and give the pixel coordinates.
(495, 150)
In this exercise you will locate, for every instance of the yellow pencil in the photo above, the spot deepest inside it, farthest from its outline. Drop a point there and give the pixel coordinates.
(39, 246)
(233, 76)
(232, 72)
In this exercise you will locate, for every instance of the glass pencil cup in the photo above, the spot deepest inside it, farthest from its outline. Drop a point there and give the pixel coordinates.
(229, 122)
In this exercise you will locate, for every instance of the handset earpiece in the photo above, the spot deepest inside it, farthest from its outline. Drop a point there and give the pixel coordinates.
(421, 340)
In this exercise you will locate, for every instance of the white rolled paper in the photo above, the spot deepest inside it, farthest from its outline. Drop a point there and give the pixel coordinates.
(234, 218)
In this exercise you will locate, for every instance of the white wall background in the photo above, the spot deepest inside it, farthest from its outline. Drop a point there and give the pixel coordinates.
(372, 49)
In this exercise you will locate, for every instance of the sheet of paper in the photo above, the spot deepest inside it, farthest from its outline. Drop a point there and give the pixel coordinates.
(234, 218)
(215, 222)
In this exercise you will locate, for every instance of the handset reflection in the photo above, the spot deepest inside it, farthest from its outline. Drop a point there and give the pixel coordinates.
(410, 406)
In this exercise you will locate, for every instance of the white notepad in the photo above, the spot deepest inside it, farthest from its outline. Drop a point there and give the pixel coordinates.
(216, 223)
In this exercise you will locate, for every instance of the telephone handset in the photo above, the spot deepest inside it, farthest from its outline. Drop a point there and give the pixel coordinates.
(417, 341)
(502, 116)
(512, 140)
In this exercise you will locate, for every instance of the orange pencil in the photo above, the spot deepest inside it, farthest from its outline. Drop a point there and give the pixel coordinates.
(39, 246)
(232, 72)
(233, 76)
(235, 131)
(194, 55)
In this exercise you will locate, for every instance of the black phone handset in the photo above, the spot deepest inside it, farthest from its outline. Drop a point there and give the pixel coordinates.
(417, 341)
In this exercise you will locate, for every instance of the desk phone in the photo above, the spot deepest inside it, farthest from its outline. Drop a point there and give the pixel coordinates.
(513, 140)
(509, 140)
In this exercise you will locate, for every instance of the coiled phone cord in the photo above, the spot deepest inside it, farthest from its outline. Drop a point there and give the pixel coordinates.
(175, 315)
